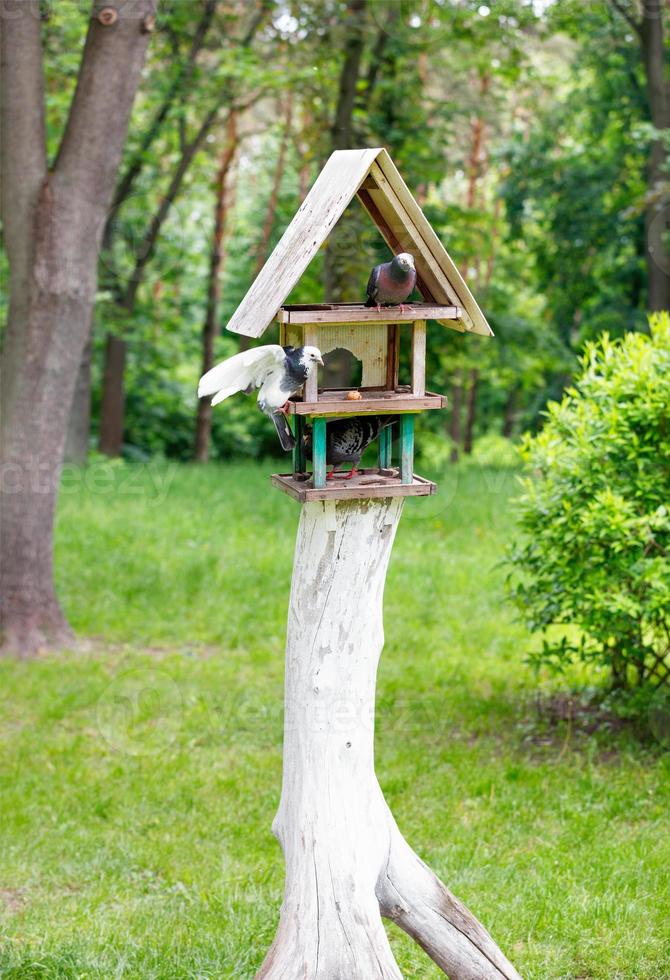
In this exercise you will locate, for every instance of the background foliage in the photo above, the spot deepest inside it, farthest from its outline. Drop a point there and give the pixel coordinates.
(596, 512)
(527, 148)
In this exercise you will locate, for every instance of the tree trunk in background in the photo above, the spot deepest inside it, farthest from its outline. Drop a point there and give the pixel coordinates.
(508, 415)
(266, 233)
(203, 425)
(336, 254)
(179, 83)
(79, 424)
(110, 441)
(471, 411)
(658, 210)
(455, 420)
(53, 221)
(189, 150)
(113, 400)
(475, 172)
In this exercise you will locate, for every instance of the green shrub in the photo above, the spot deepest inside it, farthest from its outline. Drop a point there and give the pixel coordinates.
(596, 514)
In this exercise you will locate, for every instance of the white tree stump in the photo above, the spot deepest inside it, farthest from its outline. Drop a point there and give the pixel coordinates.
(347, 863)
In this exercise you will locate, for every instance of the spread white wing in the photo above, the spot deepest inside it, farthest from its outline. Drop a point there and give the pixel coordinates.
(243, 371)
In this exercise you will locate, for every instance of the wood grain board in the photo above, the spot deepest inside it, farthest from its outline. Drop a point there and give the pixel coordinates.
(334, 403)
(357, 313)
(368, 484)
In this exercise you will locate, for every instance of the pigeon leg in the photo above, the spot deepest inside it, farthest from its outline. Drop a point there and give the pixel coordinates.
(405, 309)
(284, 408)
(352, 472)
(331, 475)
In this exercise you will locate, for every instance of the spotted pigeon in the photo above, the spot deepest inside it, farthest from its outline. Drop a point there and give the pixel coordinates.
(347, 439)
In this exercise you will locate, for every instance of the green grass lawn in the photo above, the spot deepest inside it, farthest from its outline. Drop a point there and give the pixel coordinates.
(140, 773)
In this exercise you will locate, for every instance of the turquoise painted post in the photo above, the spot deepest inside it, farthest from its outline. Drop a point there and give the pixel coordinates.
(406, 449)
(319, 453)
(299, 464)
(386, 448)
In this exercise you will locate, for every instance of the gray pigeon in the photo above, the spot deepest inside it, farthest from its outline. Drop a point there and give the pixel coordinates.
(277, 371)
(391, 282)
(347, 439)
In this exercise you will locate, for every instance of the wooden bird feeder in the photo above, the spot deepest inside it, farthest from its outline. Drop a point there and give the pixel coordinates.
(372, 336)
(347, 863)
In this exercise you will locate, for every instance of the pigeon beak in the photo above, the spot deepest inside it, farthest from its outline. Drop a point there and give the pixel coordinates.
(319, 360)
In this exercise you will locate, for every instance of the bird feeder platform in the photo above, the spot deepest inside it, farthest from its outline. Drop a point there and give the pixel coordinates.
(368, 483)
(333, 313)
(336, 403)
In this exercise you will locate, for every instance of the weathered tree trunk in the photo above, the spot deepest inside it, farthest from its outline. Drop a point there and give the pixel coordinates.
(347, 863)
(110, 440)
(79, 424)
(53, 221)
(203, 423)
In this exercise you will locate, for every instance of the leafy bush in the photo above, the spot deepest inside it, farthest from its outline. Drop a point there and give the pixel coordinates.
(596, 513)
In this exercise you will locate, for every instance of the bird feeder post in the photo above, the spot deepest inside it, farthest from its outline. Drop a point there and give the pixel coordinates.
(319, 453)
(299, 461)
(385, 457)
(407, 448)
(419, 358)
(347, 864)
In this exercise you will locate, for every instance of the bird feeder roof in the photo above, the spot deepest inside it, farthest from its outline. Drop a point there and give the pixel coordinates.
(372, 176)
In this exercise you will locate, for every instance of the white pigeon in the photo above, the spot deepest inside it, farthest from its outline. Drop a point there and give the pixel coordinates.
(278, 372)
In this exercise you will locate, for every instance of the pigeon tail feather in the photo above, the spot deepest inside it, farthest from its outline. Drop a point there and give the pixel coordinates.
(286, 437)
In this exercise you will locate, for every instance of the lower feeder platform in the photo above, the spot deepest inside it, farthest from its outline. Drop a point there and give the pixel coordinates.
(371, 483)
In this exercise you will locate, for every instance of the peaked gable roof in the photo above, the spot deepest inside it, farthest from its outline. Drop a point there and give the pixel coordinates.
(383, 193)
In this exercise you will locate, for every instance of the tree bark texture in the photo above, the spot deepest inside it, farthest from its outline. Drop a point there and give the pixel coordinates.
(203, 424)
(53, 223)
(110, 441)
(347, 863)
(79, 424)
